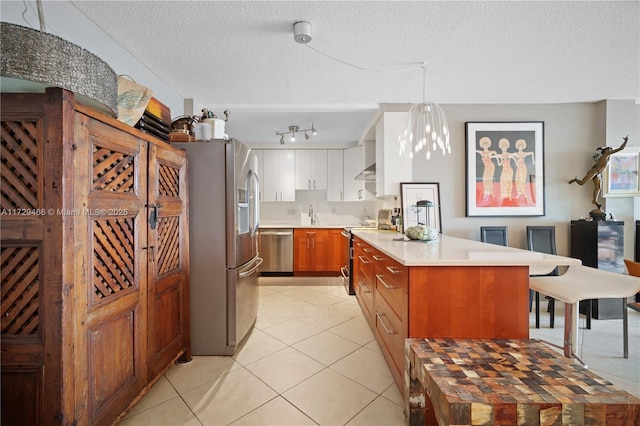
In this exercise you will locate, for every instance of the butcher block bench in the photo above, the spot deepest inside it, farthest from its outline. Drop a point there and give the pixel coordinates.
(507, 382)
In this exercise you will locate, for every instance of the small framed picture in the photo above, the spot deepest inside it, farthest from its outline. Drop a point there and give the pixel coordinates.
(420, 205)
(505, 168)
(621, 176)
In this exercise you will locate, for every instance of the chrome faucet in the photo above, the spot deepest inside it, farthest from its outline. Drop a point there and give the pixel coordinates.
(312, 215)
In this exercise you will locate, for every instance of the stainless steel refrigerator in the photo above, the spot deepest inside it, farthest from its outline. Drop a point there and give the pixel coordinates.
(223, 233)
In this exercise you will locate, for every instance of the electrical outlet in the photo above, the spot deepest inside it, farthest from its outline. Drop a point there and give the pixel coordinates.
(291, 212)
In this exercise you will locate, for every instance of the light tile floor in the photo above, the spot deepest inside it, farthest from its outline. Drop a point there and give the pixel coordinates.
(312, 359)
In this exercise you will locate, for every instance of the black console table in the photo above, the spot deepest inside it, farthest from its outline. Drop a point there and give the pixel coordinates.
(600, 244)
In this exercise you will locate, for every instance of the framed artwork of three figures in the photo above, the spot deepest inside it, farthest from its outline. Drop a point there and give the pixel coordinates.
(505, 168)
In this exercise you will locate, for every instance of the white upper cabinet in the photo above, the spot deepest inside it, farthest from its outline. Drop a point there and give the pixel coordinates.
(353, 164)
(311, 169)
(391, 168)
(278, 175)
(335, 189)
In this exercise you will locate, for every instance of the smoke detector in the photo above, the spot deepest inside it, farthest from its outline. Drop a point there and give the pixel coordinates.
(302, 32)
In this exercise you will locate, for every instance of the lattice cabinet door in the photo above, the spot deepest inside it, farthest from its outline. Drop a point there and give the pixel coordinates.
(111, 191)
(168, 298)
(32, 270)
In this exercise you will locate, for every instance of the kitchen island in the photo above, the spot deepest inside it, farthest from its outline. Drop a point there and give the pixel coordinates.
(448, 288)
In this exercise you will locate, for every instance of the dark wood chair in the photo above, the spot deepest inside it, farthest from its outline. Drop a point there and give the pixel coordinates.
(498, 235)
(543, 240)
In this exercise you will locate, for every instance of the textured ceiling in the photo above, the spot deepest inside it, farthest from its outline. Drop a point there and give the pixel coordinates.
(241, 56)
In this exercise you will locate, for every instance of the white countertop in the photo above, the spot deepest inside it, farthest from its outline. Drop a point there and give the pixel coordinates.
(451, 251)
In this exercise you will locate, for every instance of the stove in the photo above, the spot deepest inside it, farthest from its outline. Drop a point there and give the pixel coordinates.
(347, 270)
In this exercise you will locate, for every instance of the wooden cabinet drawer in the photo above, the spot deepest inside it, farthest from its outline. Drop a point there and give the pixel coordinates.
(392, 294)
(365, 296)
(363, 262)
(395, 274)
(391, 282)
(391, 331)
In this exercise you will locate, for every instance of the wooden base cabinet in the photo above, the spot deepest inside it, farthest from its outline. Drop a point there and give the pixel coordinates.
(318, 251)
(364, 278)
(437, 301)
(94, 261)
(310, 250)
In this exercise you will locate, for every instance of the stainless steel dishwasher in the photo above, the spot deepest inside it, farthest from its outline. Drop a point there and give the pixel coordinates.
(276, 248)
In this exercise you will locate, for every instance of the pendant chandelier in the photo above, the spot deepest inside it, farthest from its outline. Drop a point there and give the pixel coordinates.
(426, 127)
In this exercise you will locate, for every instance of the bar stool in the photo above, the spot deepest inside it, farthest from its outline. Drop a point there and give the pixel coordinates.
(585, 283)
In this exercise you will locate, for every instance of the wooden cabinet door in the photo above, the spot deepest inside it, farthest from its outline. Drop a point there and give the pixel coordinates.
(319, 250)
(110, 192)
(336, 250)
(301, 251)
(167, 248)
(32, 236)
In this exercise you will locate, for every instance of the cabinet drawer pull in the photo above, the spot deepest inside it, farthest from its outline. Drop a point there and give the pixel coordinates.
(386, 329)
(366, 262)
(394, 270)
(364, 287)
(367, 250)
(389, 287)
(378, 258)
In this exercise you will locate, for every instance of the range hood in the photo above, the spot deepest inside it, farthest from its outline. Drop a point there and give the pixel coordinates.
(368, 174)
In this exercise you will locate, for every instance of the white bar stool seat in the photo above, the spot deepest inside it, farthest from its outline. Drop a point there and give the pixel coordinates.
(581, 283)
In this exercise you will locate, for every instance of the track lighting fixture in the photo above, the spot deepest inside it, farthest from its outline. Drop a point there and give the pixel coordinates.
(296, 129)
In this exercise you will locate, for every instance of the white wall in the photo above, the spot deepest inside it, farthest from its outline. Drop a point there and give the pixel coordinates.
(65, 21)
(570, 138)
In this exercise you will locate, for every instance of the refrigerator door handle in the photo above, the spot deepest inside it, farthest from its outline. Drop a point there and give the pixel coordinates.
(244, 274)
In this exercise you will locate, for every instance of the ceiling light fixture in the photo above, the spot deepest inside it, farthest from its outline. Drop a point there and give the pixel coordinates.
(295, 129)
(302, 32)
(426, 127)
(426, 123)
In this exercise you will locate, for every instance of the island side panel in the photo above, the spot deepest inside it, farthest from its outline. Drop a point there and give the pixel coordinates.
(470, 302)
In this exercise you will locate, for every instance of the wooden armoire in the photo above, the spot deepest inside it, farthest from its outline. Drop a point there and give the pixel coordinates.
(95, 294)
